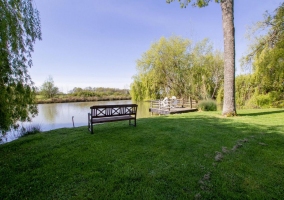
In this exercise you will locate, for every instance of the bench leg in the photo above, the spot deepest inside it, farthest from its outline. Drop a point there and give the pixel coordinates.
(134, 122)
(90, 127)
(90, 124)
(92, 131)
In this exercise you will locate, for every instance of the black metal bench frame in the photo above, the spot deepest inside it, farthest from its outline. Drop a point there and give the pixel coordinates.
(111, 113)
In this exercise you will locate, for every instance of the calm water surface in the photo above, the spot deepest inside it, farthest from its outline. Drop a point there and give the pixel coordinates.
(59, 115)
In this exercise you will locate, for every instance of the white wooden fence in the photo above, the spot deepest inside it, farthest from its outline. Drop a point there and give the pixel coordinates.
(170, 104)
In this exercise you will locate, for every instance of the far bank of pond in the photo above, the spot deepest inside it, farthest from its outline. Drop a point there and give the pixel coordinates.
(79, 99)
(59, 115)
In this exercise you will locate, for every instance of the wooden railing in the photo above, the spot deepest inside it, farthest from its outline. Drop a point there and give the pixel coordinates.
(173, 103)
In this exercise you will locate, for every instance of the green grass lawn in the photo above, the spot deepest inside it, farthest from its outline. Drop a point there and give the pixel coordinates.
(185, 156)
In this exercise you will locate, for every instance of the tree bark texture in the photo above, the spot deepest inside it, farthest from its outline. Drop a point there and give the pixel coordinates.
(229, 105)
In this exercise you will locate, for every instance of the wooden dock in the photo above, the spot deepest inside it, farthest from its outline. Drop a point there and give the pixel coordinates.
(172, 110)
(172, 106)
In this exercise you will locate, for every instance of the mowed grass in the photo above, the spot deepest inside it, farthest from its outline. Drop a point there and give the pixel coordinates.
(185, 156)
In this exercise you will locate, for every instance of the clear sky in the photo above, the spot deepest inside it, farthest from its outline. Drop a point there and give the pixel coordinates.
(96, 43)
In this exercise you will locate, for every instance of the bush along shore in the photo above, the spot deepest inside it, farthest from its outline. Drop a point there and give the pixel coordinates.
(199, 155)
(80, 99)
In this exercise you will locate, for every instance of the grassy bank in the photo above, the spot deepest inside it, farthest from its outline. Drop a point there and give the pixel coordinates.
(188, 156)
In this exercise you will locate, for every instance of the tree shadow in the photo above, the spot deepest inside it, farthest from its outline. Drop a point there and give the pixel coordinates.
(262, 113)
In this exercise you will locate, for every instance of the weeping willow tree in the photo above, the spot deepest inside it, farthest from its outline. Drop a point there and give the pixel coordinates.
(176, 67)
(206, 73)
(19, 29)
(163, 70)
(268, 53)
(266, 57)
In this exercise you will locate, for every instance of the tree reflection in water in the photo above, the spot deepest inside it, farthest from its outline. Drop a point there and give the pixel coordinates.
(48, 111)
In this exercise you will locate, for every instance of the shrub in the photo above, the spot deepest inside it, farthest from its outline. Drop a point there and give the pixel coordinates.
(263, 100)
(271, 99)
(208, 105)
(278, 104)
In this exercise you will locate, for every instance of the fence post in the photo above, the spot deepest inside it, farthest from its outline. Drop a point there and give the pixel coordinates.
(190, 101)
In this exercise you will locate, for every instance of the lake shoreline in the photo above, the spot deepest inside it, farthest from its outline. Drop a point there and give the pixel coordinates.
(55, 115)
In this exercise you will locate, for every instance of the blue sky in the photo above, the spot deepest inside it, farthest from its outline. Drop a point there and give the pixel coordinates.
(96, 43)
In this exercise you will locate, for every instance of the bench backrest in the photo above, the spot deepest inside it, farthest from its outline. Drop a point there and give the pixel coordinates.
(99, 111)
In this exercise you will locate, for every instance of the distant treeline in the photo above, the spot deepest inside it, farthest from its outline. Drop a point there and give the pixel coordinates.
(84, 94)
(69, 99)
(98, 92)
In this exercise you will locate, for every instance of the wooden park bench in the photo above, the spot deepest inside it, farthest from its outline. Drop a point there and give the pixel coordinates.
(111, 113)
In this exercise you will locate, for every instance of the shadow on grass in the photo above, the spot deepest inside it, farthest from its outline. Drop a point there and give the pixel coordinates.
(262, 113)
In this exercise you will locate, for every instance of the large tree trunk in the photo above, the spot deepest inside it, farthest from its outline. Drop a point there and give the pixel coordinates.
(229, 105)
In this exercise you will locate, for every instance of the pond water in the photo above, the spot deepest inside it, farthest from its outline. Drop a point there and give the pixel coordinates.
(59, 115)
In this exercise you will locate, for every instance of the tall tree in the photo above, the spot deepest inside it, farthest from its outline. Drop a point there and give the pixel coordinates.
(19, 29)
(48, 89)
(227, 7)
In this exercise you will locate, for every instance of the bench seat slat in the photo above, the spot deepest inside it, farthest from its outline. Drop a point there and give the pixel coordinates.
(111, 119)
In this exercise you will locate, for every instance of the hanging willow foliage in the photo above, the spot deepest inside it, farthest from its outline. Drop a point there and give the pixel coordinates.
(266, 56)
(19, 29)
